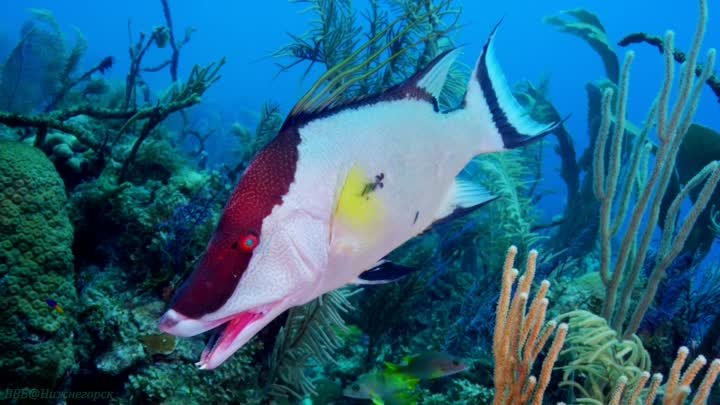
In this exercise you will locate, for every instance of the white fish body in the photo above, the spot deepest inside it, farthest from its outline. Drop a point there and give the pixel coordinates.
(337, 191)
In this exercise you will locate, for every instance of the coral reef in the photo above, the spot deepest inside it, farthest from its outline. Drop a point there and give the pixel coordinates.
(36, 264)
(104, 209)
(521, 334)
(135, 218)
(598, 359)
(310, 334)
(101, 257)
(699, 147)
(397, 46)
(38, 63)
(250, 143)
(114, 318)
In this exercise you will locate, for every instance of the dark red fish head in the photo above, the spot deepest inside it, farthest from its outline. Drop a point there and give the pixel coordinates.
(254, 266)
(214, 280)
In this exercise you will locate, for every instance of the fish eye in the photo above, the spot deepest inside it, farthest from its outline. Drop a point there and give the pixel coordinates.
(455, 362)
(247, 243)
(355, 387)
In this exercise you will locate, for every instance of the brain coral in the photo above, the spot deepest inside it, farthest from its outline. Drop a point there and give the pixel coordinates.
(36, 264)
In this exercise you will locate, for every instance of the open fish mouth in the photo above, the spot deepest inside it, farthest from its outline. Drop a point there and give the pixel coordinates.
(233, 334)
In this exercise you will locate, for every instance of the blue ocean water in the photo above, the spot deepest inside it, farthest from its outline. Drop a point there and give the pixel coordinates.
(247, 33)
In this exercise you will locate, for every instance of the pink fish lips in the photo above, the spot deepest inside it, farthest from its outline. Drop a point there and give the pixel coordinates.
(232, 333)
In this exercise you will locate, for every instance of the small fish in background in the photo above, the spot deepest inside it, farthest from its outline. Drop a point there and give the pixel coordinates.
(396, 384)
(160, 343)
(382, 387)
(428, 366)
(54, 305)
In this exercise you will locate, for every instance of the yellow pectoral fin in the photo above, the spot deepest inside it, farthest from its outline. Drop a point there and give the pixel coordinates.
(358, 208)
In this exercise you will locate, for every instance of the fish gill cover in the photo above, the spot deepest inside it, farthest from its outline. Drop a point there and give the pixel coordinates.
(119, 149)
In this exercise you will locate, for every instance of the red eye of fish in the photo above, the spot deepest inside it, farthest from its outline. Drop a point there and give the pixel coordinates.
(249, 242)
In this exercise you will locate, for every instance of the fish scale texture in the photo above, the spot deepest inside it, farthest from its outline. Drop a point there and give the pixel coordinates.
(36, 264)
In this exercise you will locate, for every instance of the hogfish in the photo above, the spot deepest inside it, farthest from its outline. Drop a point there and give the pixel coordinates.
(339, 188)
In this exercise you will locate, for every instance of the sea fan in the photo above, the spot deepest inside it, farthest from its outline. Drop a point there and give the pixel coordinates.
(512, 177)
(251, 143)
(33, 70)
(309, 334)
(73, 60)
(402, 37)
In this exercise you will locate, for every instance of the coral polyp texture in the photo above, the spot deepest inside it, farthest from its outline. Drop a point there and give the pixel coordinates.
(36, 265)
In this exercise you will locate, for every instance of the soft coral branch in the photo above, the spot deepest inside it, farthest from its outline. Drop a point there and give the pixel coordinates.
(637, 38)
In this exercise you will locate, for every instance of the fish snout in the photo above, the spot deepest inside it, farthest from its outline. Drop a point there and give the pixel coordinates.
(175, 323)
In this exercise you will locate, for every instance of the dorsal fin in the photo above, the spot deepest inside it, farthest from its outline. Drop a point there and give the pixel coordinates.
(432, 77)
(426, 84)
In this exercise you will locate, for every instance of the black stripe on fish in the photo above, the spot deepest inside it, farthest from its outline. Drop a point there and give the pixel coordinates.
(385, 272)
(513, 133)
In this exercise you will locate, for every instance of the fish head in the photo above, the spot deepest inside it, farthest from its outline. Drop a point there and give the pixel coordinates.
(357, 391)
(447, 364)
(366, 386)
(380, 384)
(246, 279)
(265, 256)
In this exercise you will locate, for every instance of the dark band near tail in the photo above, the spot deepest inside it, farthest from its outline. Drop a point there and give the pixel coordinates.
(513, 123)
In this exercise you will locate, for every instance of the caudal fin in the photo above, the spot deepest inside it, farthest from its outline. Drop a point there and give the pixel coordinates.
(489, 98)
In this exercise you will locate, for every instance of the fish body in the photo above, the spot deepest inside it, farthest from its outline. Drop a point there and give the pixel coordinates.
(336, 191)
(383, 388)
(428, 366)
(396, 384)
(55, 306)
